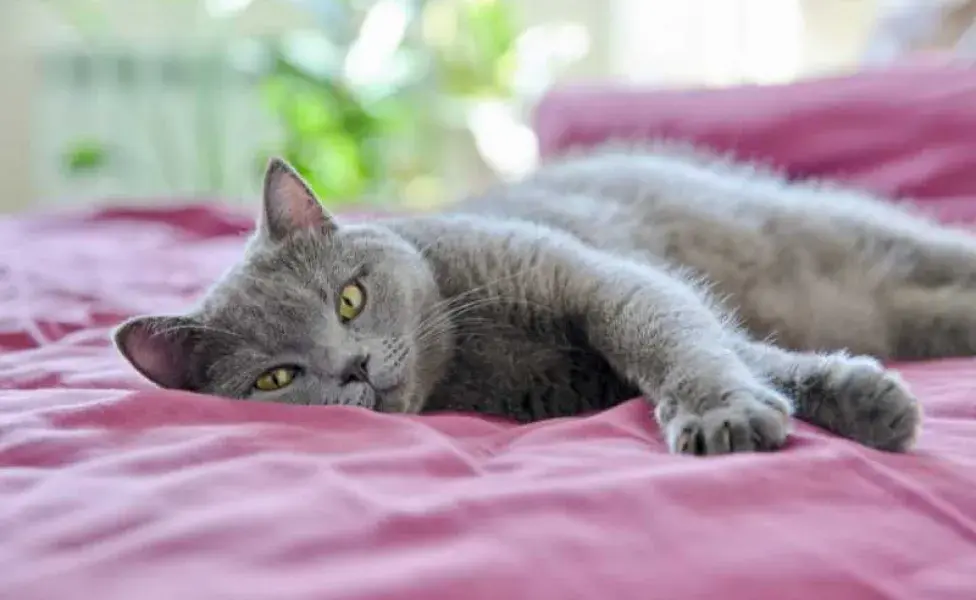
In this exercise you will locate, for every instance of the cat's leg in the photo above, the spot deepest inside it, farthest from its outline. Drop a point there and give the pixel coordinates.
(664, 335)
(657, 331)
(851, 396)
(937, 260)
(929, 301)
(927, 323)
(937, 255)
(926, 253)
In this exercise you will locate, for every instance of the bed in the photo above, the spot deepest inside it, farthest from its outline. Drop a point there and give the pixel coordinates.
(111, 489)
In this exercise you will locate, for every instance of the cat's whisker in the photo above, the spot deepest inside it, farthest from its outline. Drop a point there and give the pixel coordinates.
(459, 323)
(456, 313)
(447, 317)
(486, 287)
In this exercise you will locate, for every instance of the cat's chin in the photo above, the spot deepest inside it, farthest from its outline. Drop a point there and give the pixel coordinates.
(397, 399)
(355, 394)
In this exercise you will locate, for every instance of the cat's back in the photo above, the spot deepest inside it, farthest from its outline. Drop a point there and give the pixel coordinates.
(645, 199)
(666, 199)
(772, 247)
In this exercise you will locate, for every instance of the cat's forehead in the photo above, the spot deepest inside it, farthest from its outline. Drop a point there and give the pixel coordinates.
(296, 271)
(304, 255)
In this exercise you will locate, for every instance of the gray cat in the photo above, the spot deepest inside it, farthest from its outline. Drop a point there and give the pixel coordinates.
(597, 279)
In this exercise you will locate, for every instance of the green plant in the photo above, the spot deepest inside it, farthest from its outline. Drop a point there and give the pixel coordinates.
(361, 140)
(85, 157)
(329, 134)
(473, 45)
(355, 138)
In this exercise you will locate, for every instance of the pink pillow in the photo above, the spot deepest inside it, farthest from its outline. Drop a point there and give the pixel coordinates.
(906, 132)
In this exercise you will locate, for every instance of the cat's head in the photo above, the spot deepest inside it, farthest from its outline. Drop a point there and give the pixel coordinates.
(316, 312)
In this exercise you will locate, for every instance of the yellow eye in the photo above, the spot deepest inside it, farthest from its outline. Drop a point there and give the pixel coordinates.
(275, 379)
(352, 299)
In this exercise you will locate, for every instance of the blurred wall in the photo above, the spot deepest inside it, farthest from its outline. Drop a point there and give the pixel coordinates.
(724, 42)
(622, 46)
(835, 33)
(27, 27)
(16, 87)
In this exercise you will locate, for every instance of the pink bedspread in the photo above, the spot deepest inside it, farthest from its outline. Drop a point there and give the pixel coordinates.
(112, 490)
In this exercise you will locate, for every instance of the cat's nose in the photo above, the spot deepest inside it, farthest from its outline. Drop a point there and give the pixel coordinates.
(354, 369)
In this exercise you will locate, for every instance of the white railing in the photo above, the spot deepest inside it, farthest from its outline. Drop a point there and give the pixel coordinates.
(169, 123)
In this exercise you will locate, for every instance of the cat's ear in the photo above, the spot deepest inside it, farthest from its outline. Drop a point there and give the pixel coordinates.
(289, 203)
(159, 348)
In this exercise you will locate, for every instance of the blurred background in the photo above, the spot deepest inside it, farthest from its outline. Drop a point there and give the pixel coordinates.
(376, 102)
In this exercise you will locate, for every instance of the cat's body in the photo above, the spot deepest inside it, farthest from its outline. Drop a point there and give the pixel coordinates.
(808, 264)
(583, 286)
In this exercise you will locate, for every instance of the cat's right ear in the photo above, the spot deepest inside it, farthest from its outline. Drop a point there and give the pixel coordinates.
(159, 348)
(289, 204)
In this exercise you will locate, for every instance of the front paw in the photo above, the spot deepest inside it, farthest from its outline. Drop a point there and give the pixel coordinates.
(740, 421)
(862, 401)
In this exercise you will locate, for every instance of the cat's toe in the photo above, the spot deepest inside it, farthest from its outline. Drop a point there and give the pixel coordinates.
(744, 422)
(877, 408)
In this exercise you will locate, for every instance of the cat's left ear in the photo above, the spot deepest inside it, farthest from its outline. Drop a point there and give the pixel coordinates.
(289, 204)
(160, 348)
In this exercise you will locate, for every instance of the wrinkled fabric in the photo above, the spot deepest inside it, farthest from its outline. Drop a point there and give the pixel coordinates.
(113, 490)
(906, 132)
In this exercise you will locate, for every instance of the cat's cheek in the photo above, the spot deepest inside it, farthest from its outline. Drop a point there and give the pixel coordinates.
(398, 400)
(358, 395)
(413, 398)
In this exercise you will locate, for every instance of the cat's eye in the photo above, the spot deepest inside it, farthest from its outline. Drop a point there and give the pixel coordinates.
(352, 300)
(275, 379)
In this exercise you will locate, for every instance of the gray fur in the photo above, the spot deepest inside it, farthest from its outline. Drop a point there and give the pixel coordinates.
(599, 278)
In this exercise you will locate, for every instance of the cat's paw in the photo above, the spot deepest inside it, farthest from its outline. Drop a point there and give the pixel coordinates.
(868, 404)
(741, 421)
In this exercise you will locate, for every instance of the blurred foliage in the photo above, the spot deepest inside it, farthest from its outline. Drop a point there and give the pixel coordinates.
(379, 138)
(329, 135)
(474, 45)
(358, 138)
(86, 156)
